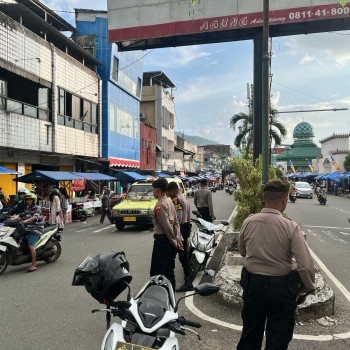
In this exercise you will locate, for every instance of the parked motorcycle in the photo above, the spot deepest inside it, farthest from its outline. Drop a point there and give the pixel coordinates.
(150, 319)
(47, 248)
(78, 212)
(201, 243)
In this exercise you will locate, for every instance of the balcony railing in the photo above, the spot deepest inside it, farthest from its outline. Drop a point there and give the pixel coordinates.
(14, 106)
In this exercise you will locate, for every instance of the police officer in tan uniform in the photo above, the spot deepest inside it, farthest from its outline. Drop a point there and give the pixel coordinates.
(268, 241)
(167, 236)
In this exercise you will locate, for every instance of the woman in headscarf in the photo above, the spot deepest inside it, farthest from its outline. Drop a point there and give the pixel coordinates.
(105, 209)
(56, 215)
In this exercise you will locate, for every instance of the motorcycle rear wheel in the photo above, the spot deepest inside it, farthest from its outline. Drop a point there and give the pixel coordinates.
(195, 267)
(58, 249)
(82, 216)
(3, 262)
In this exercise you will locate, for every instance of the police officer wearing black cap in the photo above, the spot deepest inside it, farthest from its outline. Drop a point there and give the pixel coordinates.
(268, 241)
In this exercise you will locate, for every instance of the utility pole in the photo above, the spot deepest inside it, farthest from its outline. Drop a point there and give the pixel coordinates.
(265, 94)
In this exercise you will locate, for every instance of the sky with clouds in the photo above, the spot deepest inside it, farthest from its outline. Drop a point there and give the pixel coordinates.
(308, 72)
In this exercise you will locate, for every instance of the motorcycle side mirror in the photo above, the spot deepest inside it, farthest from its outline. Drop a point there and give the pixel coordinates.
(224, 222)
(206, 289)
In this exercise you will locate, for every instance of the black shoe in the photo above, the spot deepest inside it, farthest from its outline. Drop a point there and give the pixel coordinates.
(187, 287)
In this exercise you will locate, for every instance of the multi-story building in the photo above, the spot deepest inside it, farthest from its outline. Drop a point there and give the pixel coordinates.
(158, 110)
(49, 93)
(121, 76)
(337, 146)
(148, 142)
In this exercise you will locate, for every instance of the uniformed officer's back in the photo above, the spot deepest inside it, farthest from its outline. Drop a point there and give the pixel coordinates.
(268, 242)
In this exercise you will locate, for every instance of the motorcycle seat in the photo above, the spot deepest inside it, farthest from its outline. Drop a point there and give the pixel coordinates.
(158, 295)
(48, 227)
(153, 304)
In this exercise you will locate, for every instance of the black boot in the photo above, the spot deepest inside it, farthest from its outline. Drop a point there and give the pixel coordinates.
(186, 287)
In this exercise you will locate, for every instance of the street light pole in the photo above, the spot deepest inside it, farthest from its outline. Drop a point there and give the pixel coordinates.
(265, 94)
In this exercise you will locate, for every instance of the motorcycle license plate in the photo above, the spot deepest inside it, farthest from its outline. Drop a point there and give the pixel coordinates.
(128, 346)
(130, 218)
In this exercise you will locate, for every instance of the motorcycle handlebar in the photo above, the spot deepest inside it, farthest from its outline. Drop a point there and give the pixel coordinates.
(189, 323)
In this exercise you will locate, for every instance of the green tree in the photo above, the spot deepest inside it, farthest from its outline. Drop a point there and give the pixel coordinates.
(244, 123)
(249, 196)
(347, 162)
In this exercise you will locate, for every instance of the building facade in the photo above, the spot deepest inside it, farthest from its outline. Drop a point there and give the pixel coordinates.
(121, 76)
(302, 152)
(158, 110)
(49, 94)
(337, 145)
(148, 143)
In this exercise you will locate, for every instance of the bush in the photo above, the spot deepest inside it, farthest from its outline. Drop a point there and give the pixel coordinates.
(249, 195)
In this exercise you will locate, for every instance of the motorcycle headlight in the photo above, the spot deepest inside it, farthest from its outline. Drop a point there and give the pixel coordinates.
(201, 247)
(109, 341)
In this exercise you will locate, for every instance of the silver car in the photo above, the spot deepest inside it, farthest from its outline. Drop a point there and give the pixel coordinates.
(303, 189)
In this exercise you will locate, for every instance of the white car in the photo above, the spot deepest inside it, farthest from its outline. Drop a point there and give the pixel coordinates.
(303, 189)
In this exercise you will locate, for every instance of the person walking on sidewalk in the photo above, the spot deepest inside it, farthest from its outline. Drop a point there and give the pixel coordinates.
(268, 241)
(105, 208)
(56, 214)
(204, 202)
(183, 213)
(167, 236)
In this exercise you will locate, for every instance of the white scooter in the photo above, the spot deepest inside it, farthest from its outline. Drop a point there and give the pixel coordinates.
(202, 242)
(47, 248)
(149, 319)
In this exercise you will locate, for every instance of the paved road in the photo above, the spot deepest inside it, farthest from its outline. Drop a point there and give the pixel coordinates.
(328, 232)
(42, 311)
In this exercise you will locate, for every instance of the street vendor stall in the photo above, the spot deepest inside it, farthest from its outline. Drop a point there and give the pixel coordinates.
(44, 181)
(93, 202)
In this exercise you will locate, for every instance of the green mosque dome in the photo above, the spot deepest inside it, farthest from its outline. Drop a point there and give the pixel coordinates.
(303, 130)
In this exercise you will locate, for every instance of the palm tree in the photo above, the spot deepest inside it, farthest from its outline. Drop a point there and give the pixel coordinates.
(244, 123)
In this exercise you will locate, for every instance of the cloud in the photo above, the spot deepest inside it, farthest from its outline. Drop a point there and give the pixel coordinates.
(176, 58)
(324, 48)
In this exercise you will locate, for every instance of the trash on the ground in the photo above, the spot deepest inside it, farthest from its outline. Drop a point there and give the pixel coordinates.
(211, 273)
(326, 321)
(298, 323)
(214, 330)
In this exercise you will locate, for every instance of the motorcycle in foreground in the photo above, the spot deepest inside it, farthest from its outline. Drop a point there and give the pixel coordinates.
(78, 212)
(150, 319)
(47, 248)
(201, 243)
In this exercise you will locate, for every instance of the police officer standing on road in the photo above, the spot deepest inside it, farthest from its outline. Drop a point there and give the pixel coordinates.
(268, 241)
(183, 213)
(167, 236)
(204, 202)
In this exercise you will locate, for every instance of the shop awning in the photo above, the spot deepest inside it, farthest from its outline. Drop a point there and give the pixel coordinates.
(6, 171)
(125, 163)
(128, 176)
(333, 176)
(160, 174)
(95, 176)
(40, 175)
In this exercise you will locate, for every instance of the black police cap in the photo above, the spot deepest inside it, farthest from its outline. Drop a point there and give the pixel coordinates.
(160, 183)
(276, 186)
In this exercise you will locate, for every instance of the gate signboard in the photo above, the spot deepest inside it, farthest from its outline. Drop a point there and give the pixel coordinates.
(132, 20)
